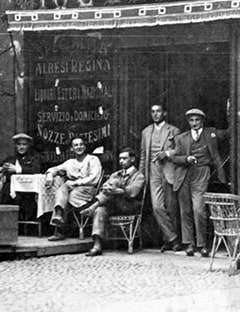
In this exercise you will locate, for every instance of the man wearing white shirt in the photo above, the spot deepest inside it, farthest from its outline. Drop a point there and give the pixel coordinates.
(25, 161)
(82, 174)
(157, 146)
(195, 155)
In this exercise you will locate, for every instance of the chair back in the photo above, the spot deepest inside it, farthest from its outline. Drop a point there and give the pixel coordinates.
(225, 212)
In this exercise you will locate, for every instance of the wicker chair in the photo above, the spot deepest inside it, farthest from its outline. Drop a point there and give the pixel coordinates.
(225, 214)
(129, 225)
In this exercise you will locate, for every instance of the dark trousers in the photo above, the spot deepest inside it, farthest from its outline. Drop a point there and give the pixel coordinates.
(192, 206)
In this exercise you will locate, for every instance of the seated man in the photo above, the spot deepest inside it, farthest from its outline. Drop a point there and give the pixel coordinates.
(23, 162)
(118, 196)
(82, 175)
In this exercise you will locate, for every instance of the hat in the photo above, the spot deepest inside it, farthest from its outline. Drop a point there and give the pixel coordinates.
(22, 136)
(195, 111)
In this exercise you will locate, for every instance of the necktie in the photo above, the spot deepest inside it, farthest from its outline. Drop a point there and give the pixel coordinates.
(124, 176)
(197, 135)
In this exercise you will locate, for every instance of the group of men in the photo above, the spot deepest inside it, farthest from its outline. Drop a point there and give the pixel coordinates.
(174, 166)
(178, 168)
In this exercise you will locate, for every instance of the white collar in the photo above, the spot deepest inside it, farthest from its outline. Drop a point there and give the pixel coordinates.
(160, 125)
(129, 170)
(196, 133)
(199, 131)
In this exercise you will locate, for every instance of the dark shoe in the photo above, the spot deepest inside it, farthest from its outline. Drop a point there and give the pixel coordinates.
(164, 248)
(56, 237)
(58, 220)
(176, 247)
(204, 252)
(94, 252)
(190, 250)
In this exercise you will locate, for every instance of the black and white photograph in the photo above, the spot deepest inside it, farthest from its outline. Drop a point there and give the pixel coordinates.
(119, 149)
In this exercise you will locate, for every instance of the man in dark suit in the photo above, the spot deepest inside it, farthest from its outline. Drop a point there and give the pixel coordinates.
(157, 147)
(196, 153)
(23, 162)
(119, 195)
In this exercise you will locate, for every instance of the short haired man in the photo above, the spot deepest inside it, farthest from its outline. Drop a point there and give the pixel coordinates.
(25, 161)
(196, 152)
(82, 175)
(157, 146)
(119, 195)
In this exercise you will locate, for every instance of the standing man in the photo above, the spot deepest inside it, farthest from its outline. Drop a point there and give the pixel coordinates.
(82, 174)
(119, 195)
(24, 161)
(196, 153)
(157, 146)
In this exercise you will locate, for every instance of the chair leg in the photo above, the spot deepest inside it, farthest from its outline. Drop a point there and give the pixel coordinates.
(216, 243)
(130, 246)
(133, 227)
(81, 233)
(233, 265)
(131, 238)
(80, 225)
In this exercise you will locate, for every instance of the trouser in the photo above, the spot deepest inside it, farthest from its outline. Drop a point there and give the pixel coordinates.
(62, 196)
(192, 206)
(164, 203)
(99, 220)
(77, 197)
(114, 206)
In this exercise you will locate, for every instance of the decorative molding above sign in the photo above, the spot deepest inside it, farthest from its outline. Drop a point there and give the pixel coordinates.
(110, 17)
(69, 4)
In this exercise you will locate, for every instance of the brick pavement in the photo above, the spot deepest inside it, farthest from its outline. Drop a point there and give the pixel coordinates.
(144, 281)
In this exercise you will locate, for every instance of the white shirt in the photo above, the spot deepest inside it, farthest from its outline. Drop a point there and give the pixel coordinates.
(196, 133)
(129, 170)
(160, 125)
(18, 167)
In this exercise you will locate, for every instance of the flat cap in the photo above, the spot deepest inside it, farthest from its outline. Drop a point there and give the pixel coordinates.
(22, 136)
(195, 111)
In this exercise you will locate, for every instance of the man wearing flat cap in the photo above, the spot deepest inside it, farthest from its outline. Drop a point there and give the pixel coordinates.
(196, 154)
(23, 162)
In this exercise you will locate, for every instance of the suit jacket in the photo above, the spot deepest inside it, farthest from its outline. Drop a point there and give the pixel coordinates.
(132, 185)
(167, 144)
(183, 146)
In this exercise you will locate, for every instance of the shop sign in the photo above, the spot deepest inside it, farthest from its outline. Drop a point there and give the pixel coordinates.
(70, 93)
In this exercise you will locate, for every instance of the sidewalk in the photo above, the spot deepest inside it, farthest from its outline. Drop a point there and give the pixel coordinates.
(212, 301)
(146, 281)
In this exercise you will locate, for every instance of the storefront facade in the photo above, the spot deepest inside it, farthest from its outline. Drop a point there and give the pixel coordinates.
(95, 71)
